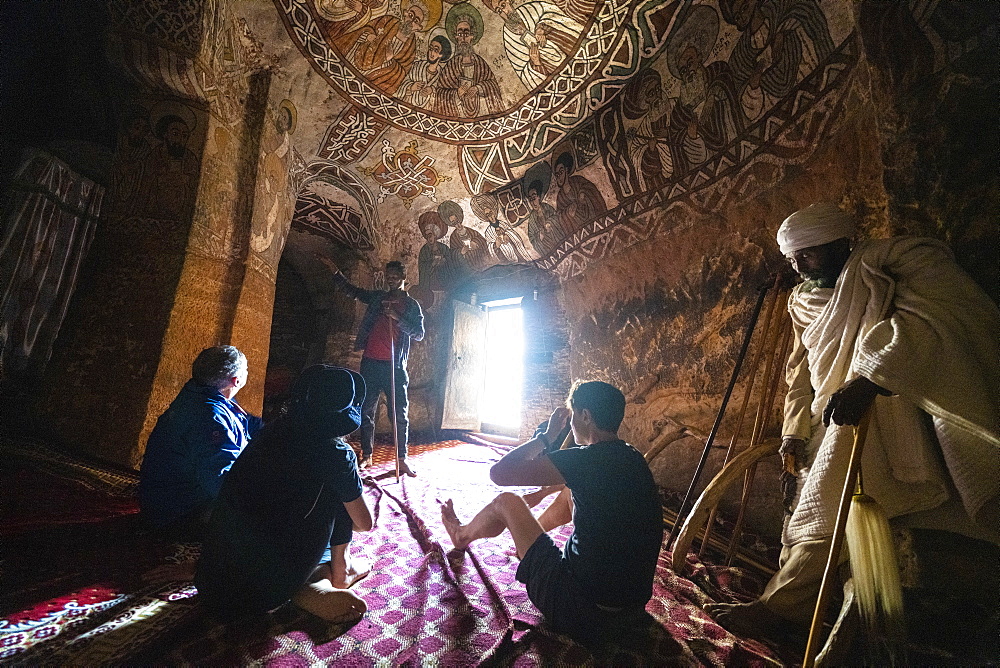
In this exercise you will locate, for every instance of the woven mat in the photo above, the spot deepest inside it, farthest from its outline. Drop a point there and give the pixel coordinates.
(76, 596)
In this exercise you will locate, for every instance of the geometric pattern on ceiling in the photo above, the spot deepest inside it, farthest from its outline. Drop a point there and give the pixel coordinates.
(618, 38)
(787, 135)
(349, 138)
(337, 222)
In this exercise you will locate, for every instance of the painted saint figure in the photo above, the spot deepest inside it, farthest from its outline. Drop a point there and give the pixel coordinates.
(386, 52)
(780, 45)
(172, 171)
(646, 117)
(469, 248)
(538, 37)
(421, 82)
(131, 159)
(707, 114)
(435, 263)
(505, 244)
(544, 229)
(467, 86)
(578, 201)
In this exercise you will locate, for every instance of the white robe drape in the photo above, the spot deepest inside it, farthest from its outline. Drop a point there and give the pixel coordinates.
(904, 315)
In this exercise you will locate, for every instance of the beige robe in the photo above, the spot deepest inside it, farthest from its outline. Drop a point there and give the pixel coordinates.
(905, 316)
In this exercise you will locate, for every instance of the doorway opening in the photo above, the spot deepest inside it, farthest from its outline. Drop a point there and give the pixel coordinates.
(500, 402)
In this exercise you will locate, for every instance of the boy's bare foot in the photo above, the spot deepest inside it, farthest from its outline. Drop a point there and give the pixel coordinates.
(452, 525)
(405, 469)
(366, 462)
(333, 605)
(357, 570)
(536, 497)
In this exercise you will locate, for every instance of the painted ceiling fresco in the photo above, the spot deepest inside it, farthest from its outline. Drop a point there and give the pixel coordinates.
(557, 132)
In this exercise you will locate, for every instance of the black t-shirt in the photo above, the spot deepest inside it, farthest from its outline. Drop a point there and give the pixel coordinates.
(618, 521)
(274, 516)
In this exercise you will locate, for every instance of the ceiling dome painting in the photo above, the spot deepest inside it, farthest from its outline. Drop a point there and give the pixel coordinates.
(571, 129)
(469, 71)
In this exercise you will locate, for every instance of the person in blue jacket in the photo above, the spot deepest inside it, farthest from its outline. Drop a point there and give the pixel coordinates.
(194, 443)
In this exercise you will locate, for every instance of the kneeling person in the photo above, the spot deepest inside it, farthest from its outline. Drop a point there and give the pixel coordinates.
(603, 576)
(293, 493)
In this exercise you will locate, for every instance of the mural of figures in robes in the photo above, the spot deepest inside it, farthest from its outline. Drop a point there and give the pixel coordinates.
(469, 247)
(706, 115)
(272, 185)
(544, 228)
(467, 86)
(342, 22)
(578, 201)
(128, 169)
(505, 244)
(420, 84)
(646, 119)
(435, 262)
(779, 45)
(172, 169)
(378, 44)
(537, 36)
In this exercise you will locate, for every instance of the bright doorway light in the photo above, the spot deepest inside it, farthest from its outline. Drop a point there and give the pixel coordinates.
(500, 407)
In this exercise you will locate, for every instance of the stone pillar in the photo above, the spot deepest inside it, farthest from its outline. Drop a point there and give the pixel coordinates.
(178, 265)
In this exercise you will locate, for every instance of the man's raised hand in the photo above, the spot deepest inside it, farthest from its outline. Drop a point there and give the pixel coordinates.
(557, 422)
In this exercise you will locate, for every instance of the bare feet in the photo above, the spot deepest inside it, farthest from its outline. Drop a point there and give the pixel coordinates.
(366, 462)
(752, 620)
(452, 525)
(534, 498)
(182, 572)
(356, 571)
(405, 469)
(333, 605)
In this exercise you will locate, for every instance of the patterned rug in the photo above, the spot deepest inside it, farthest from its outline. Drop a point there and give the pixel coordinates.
(73, 592)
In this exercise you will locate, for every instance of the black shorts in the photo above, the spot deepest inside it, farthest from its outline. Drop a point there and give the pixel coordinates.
(560, 598)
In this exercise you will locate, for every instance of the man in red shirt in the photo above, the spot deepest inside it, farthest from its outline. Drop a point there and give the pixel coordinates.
(391, 320)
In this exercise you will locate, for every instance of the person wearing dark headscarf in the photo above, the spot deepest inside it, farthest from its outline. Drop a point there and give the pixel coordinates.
(294, 493)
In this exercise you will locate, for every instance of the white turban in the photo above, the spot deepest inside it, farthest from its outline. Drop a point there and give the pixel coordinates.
(814, 225)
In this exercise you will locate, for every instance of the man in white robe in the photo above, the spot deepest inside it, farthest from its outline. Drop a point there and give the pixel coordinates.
(896, 326)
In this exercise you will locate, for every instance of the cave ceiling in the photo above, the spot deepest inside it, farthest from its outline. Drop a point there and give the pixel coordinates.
(554, 132)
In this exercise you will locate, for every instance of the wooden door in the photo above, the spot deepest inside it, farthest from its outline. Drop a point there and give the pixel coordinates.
(464, 377)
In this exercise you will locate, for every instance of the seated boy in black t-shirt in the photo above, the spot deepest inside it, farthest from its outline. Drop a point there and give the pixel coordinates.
(604, 574)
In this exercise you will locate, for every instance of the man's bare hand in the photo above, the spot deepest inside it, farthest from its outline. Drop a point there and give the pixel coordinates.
(557, 422)
(791, 451)
(851, 401)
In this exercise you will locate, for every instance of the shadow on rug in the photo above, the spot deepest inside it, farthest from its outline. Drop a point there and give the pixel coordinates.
(73, 593)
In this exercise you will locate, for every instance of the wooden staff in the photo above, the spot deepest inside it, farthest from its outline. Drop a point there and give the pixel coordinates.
(392, 392)
(722, 411)
(767, 402)
(752, 378)
(839, 530)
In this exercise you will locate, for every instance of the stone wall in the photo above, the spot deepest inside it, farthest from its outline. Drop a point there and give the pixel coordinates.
(907, 156)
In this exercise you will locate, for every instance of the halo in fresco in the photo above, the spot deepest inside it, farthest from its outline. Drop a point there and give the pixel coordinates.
(494, 69)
